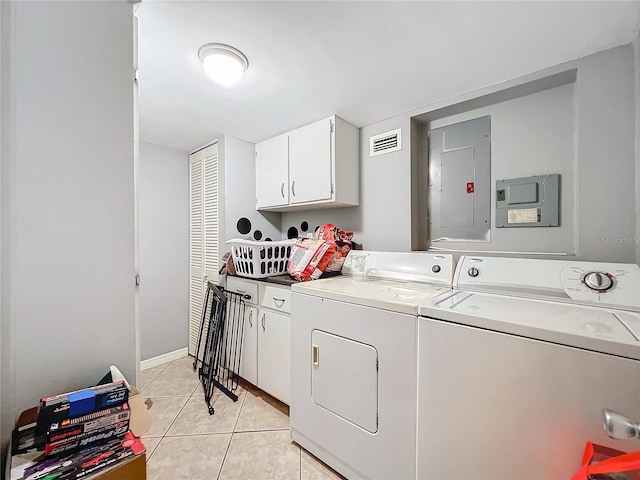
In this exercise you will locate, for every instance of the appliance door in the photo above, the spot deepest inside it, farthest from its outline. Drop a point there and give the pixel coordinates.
(349, 368)
(492, 405)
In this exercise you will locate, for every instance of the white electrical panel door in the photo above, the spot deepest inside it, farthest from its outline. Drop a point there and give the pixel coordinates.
(272, 172)
(249, 357)
(310, 162)
(460, 182)
(273, 354)
(344, 378)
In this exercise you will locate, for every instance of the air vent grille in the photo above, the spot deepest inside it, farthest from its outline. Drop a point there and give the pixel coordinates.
(385, 142)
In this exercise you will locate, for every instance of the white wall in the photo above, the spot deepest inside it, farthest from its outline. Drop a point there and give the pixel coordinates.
(68, 197)
(530, 135)
(163, 184)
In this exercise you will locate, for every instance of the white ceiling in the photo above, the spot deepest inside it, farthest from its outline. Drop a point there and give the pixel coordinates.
(364, 61)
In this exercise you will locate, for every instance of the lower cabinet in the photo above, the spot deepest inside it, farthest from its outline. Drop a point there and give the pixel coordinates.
(273, 354)
(265, 359)
(249, 358)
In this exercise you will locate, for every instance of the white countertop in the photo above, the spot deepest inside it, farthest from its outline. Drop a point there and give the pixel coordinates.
(397, 296)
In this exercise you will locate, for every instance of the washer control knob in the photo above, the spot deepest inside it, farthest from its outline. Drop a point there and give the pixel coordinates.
(598, 281)
(436, 269)
(473, 272)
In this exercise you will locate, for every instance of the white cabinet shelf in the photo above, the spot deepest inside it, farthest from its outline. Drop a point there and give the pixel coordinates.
(315, 166)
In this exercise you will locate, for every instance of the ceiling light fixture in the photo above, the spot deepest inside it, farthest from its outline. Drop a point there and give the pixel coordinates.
(223, 63)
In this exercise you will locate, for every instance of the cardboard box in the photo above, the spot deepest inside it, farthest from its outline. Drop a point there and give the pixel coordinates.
(132, 467)
(140, 418)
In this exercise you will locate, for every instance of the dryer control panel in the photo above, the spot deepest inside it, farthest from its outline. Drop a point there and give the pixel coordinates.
(586, 282)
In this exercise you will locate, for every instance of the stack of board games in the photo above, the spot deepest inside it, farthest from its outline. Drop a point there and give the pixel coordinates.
(85, 463)
(73, 433)
(75, 420)
(84, 417)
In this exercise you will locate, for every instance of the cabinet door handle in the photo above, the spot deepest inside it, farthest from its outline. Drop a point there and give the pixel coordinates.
(240, 291)
(282, 189)
(278, 301)
(293, 188)
(250, 316)
(263, 328)
(315, 355)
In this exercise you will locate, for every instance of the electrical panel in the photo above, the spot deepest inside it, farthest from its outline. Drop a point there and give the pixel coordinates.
(460, 182)
(528, 202)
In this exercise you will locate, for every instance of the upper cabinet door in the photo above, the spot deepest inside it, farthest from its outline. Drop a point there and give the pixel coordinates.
(272, 172)
(310, 162)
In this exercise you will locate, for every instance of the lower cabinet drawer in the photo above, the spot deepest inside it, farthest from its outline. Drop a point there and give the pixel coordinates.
(245, 287)
(278, 299)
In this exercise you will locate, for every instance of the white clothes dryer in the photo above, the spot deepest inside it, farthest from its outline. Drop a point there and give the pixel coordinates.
(354, 359)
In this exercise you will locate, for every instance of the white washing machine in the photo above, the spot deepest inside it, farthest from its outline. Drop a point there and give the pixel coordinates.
(354, 359)
(517, 362)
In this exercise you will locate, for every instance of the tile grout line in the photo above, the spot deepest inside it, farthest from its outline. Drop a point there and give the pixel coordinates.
(235, 425)
(176, 417)
(154, 377)
(231, 438)
(265, 430)
(162, 437)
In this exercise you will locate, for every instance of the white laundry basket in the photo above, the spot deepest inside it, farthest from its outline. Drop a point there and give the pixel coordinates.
(260, 259)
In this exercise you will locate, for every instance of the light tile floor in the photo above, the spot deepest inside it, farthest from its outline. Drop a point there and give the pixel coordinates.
(247, 439)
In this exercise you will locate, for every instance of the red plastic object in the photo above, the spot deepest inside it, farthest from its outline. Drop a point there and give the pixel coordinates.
(622, 462)
(470, 187)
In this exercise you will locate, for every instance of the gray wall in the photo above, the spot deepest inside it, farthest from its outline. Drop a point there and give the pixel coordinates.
(531, 135)
(67, 198)
(606, 206)
(603, 137)
(636, 50)
(163, 184)
(6, 360)
(383, 219)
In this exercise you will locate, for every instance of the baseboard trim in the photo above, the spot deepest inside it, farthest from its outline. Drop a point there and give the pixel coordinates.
(164, 358)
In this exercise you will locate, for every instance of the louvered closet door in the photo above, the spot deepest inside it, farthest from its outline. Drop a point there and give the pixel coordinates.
(196, 247)
(203, 234)
(210, 214)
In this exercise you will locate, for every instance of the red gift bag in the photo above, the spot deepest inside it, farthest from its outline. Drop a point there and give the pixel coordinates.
(614, 462)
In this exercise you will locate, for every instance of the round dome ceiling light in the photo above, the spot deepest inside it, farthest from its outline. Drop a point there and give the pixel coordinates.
(223, 63)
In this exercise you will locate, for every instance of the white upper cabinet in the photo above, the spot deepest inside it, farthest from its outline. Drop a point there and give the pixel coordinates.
(310, 162)
(318, 162)
(272, 172)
